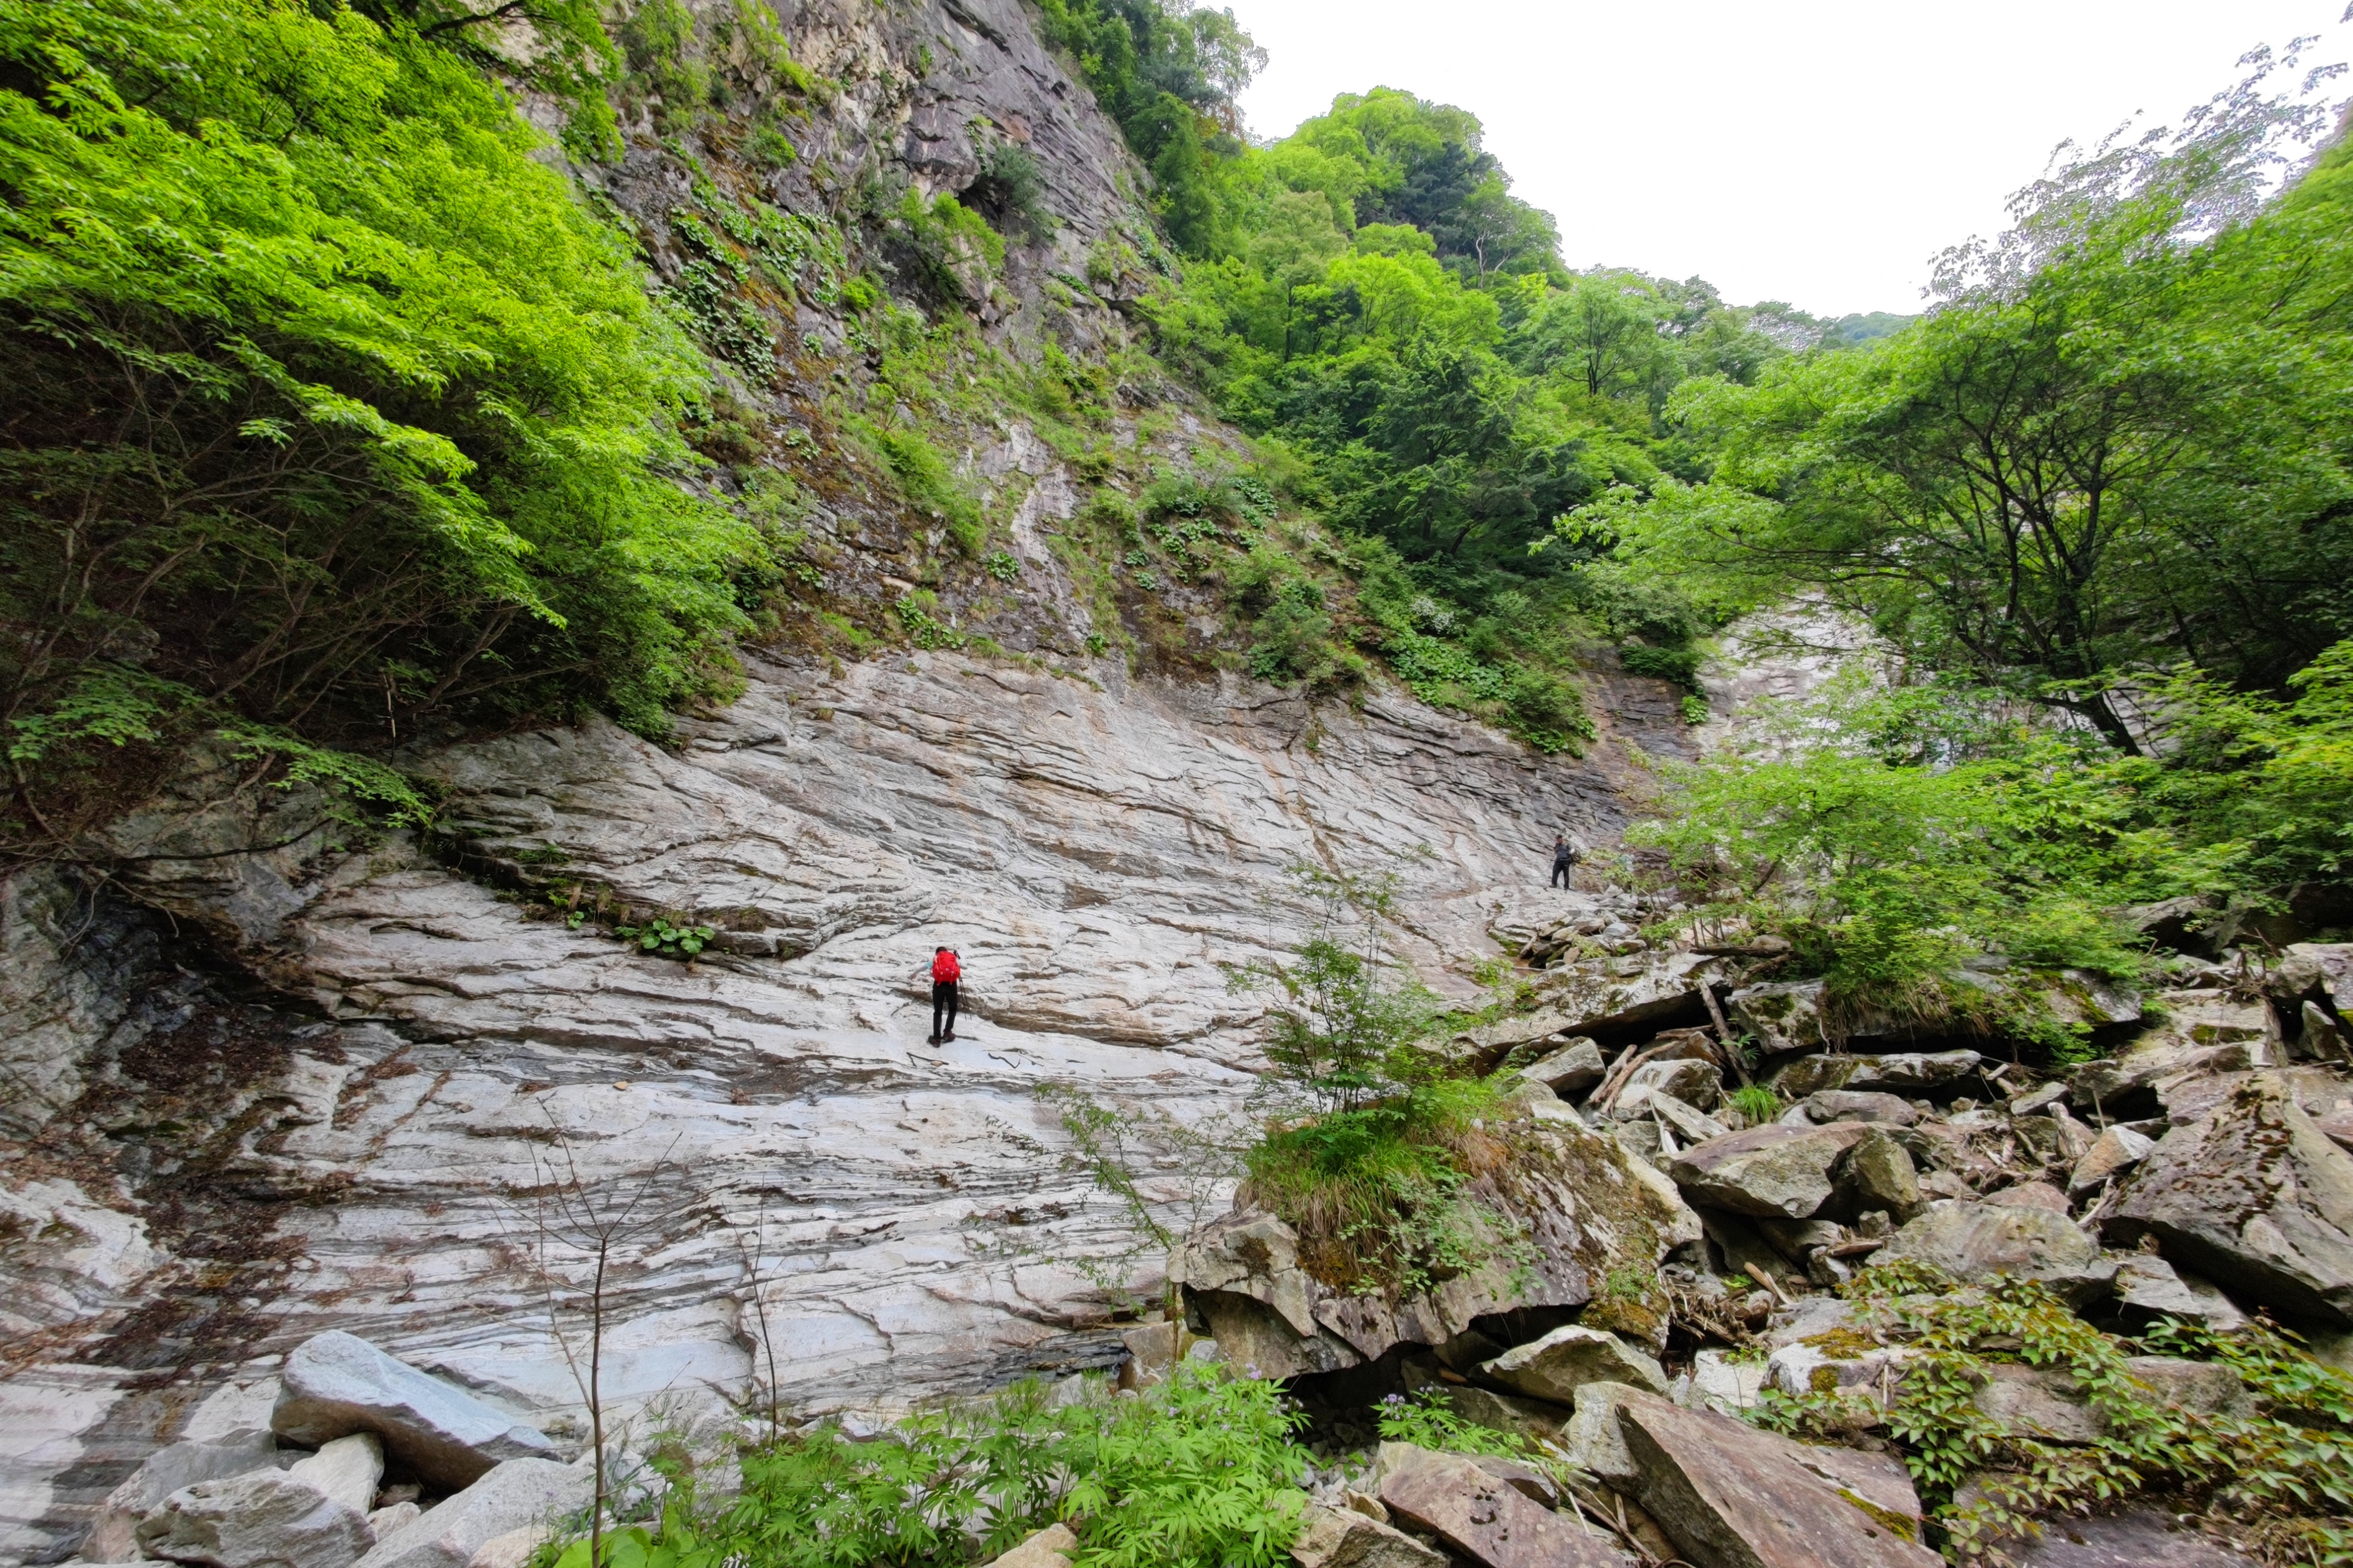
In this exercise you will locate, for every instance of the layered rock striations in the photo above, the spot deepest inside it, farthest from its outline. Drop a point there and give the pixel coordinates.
(220, 1171)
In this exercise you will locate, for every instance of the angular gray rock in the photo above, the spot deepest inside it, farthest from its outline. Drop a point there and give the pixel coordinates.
(1482, 1517)
(1775, 1171)
(347, 1470)
(1592, 1213)
(1731, 1496)
(1974, 1242)
(1859, 1105)
(2314, 970)
(512, 1495)
(113, 1534)
(1628, 998)
(1564, 1360)
(2255, 1198)
(1783, 1016)
(2137, 1537)
(337, 1384)
(1877, 1174)
(1909, 1073)
(2149, 1287)
(1337, 1538)
(1570, 1070)
(1696, 1083)
(2046, 1403)
(2113, 1153)
(264, 1520)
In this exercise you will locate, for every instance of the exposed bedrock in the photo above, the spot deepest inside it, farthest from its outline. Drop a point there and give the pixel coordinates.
(203, 1173)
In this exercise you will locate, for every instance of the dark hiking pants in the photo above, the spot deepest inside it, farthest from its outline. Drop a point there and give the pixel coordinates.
(944, 997)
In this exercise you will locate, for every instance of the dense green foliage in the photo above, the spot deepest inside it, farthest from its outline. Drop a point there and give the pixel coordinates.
(1200, 1471)
(2113, 446)
(2098, 499)
(2283, 1472)
(327, 405)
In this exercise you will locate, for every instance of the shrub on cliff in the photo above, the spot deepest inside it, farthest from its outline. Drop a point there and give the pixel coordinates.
(327, 405)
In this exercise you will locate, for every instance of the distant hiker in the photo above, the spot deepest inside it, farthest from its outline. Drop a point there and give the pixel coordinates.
(946, 972)
(1563, 860)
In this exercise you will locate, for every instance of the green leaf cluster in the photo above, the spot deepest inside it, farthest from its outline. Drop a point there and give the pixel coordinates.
(1200, 1471)
(328, 405)
(2283, 1474)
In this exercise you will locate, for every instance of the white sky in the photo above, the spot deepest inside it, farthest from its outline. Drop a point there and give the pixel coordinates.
(1812, 151)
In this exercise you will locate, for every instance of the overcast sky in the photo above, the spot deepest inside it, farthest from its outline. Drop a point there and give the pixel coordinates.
(1812, 151)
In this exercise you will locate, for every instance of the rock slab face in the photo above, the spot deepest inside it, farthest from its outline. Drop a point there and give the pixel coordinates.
(113, 1535)
(1974, 1242)
(1777, 1172)
(515, 1496)
(2136, 1538)
(346, 1470)
(2256, 1198)
(1564, 1360)
(1484, 1517)
(266, 1520)
(336, 1385)
(1910, 1073)
(1344, 1539)
(1733, 1497)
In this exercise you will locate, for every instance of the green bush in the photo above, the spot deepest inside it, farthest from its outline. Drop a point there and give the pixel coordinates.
(930, 485)
(1888, 878)
(1198, 1472)
(1680, 665)
(324, 393)
(2284, 1474)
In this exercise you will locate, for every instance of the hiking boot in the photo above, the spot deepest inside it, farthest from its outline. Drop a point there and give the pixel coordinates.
(949, 1035)
(931, 1039)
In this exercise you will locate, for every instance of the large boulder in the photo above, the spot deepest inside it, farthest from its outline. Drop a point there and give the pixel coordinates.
(337, 1384)
(1555, 1366)
(113, 1534)
(1570, 1070)
(2116, 1151)
(1912, 1074)
(1784, 1016)
(265, 1520)
(1591, 1211)
(1699, 1084)
(2050, 1404)
(1859, 1105)
(1732, 1496)
(512, 1495)
(2314, 970)
(1974, 1242)
(1482, 1517)
(1776, 1172)
(1621, 999)
(1878, 1174)
(2254, 1197)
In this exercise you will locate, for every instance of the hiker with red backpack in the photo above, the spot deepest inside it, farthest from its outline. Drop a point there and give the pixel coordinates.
(946, 972)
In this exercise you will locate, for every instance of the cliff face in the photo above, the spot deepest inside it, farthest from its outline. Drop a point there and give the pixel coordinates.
(267, 1078)
(342, 1119)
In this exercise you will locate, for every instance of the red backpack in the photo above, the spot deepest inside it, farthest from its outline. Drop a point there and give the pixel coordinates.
(945, 970)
